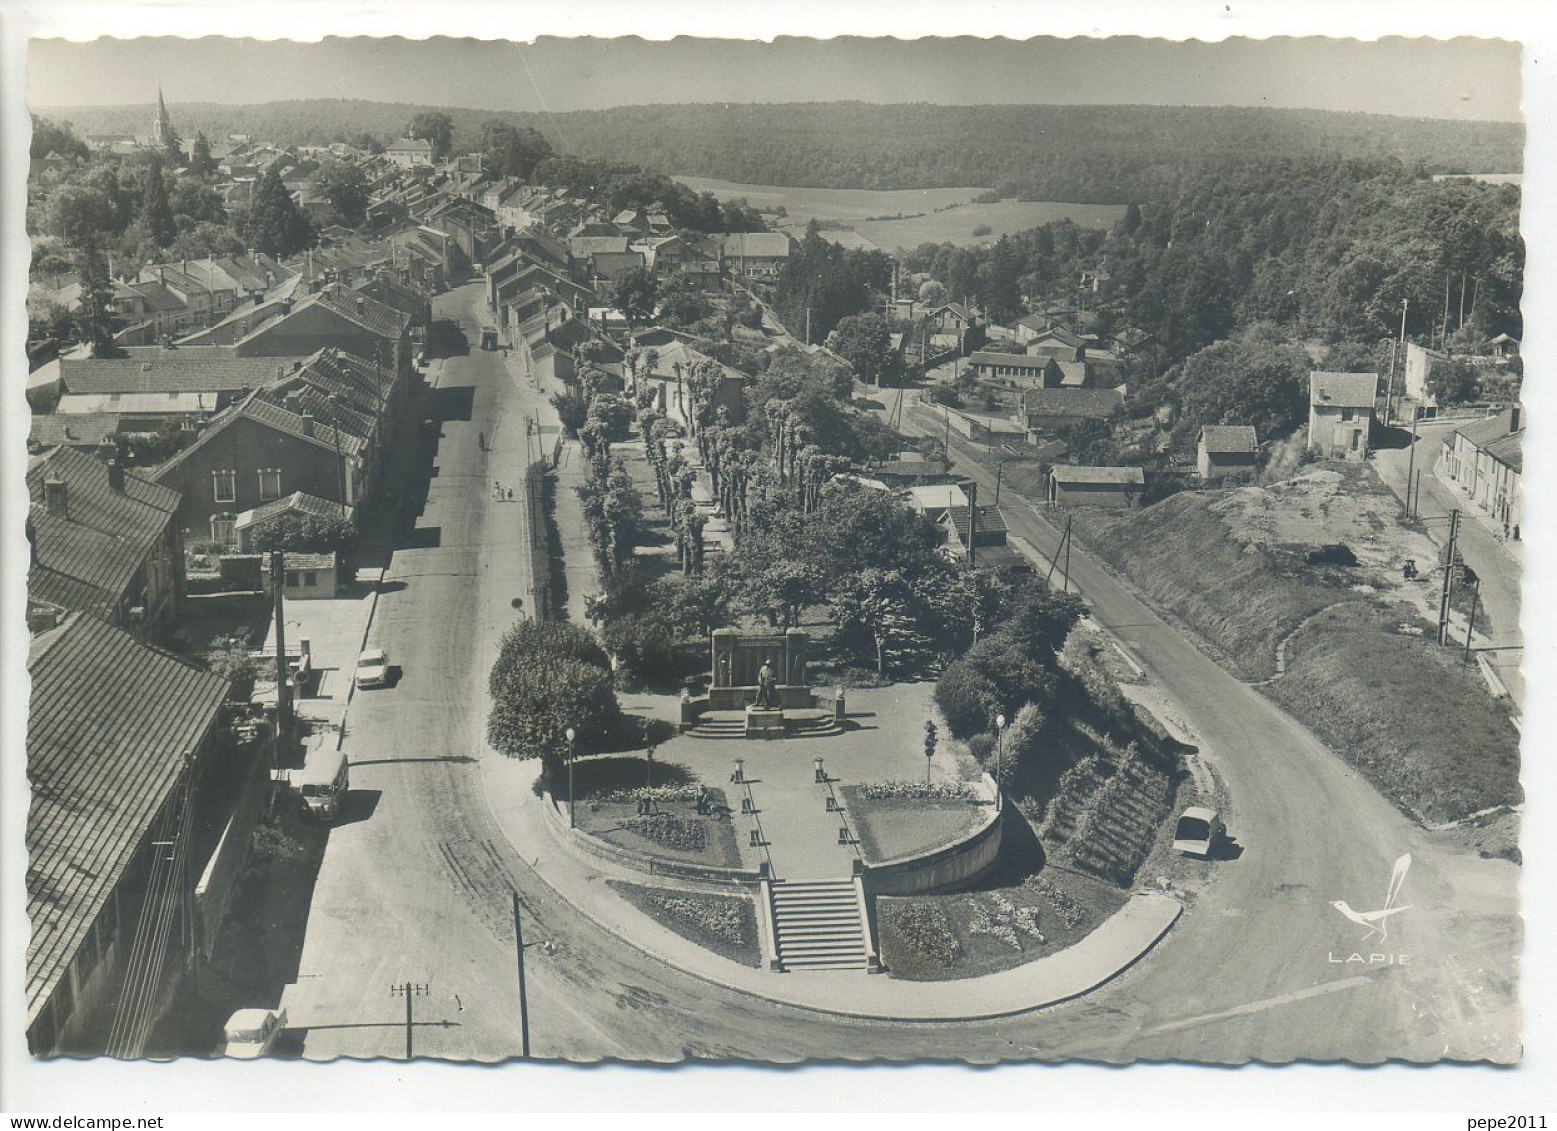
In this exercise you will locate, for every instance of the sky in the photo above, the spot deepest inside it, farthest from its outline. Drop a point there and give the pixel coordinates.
(1458, 78)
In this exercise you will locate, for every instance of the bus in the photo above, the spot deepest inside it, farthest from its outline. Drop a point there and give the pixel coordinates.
(489, 337)
(324, 780)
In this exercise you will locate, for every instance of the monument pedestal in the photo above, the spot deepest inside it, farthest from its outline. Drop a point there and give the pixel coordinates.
(764, 722)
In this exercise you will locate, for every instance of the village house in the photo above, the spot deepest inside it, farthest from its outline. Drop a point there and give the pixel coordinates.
(754, 255)
(410, 152)
(298, 505)
(1224, 450)
(1485, 462)
(320, 429)
(1044, 340)
(337, 316)
(104, 541)
(1041, 412)
(1080, 486)
(121, 739)
(961, 527)
(1340, 413)
(1503, 346)
(1420, 363)
(1018, 370)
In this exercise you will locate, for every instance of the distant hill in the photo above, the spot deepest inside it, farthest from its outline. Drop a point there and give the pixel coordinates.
(1085, 154)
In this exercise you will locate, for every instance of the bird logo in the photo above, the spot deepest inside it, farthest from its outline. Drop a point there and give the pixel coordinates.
(1377, 922)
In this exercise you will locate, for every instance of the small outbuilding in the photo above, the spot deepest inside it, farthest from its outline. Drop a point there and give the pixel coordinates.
(1080, 486)
(1225, 450)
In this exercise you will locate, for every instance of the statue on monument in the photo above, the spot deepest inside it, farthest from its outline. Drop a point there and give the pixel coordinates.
(766, 697)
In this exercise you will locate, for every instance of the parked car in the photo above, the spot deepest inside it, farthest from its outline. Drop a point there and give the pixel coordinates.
(373, 668)
(251, 1033)
(1198, 832)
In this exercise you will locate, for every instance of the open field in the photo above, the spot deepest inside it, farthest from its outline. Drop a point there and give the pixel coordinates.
(928, 215)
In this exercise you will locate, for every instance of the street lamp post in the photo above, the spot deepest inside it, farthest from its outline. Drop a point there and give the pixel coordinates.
(1000, 743)
(571, 734)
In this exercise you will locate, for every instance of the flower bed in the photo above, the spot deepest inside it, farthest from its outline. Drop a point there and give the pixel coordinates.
(689, 834)
(663, 794)
(918, 791)
(724, 924)
(923, 928)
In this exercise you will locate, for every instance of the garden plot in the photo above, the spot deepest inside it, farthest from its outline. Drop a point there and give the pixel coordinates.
(724, 924)
(894, 819)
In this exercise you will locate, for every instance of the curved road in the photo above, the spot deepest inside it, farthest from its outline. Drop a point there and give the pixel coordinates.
(416, 882)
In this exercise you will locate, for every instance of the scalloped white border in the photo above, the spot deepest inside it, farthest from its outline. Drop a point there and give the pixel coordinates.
(1192, 1092)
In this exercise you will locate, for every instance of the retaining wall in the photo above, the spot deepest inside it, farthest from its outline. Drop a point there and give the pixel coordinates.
(945, 868)
(642, 862)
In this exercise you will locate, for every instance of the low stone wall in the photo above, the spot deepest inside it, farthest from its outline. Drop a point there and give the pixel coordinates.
(945, 868)
(642, 862)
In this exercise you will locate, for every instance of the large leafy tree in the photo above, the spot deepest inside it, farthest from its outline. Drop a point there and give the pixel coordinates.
(55, 139)
(549, 676)
(343, 184)
(637, 294)
(201, 163)
(865, 342)
(1257, 377)
(512, 151)
(156, 214)
(436, 128)
(274, 225)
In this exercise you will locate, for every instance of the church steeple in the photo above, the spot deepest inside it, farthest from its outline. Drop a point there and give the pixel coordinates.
(161, 125)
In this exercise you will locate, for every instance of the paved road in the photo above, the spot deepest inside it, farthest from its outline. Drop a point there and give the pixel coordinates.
(415, 885)
(1498, 566)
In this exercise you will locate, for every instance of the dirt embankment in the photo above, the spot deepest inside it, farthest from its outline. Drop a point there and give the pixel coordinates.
(1360, 666)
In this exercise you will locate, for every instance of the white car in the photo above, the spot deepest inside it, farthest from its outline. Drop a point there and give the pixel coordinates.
(1198, 832)
(250, 1033)
(373, 668)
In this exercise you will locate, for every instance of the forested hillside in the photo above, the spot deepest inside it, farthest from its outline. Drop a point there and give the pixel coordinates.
(1086, 154)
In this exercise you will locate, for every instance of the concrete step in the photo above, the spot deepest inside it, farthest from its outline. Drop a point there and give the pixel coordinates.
(828, 963)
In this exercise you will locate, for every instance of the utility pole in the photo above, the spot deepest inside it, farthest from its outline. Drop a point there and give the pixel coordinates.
(410, 991)
(1065, 577)
(1411, 461)
(1389, 394)
(1470, 627)
(278, 577)
(972, 490)
(524, 1000)
(1448, 577)
(1000, 470)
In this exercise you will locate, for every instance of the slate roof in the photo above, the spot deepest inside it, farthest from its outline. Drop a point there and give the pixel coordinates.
(78, 429)
(613, 263)
(734, 245)
(1117, 476)
(169, 373)
(298, 502)
(582, 247)
(1481, 433)
(1097, 403)
(1016, 360)
(374, 316)
(105, 533)
(409, 145)
(1230, 439)
(1342, 390)
(991, 521)
(110, 723)
(1509, 451)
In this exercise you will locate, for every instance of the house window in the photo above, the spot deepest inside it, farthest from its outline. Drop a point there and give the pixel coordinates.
(222, 528)
(310, 579)
(1347, 415)
(270, 482)
(292, 576)
(224, 486)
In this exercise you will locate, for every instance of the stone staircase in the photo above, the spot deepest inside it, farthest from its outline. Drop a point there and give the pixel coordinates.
(732, 724)
(819, 925)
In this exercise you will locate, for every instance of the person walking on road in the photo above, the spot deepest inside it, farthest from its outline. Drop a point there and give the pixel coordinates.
(481, 440)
